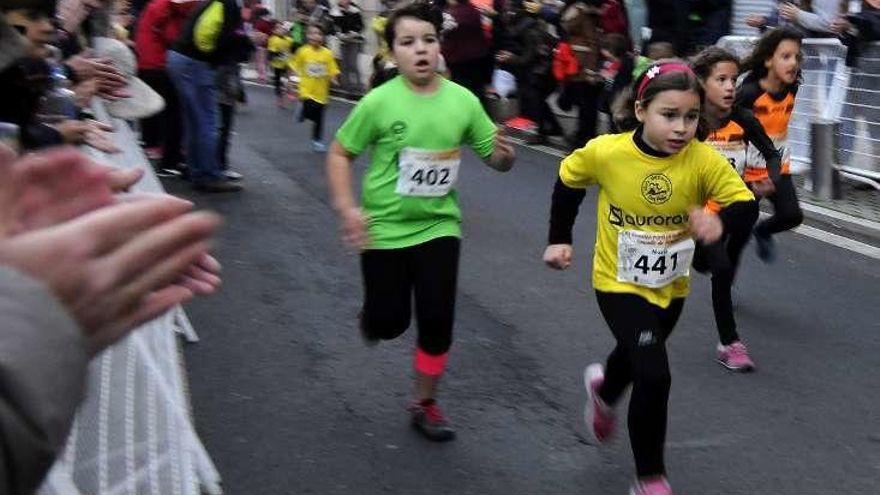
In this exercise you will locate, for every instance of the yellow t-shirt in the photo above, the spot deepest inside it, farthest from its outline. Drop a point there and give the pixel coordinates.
(280, 45)
(378, 25)
(315, 68)
(642, 242)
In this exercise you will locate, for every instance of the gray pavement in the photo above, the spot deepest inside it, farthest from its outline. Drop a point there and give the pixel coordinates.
(289, 401)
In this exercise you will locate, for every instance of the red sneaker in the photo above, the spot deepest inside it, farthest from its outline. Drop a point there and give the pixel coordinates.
(428, 419)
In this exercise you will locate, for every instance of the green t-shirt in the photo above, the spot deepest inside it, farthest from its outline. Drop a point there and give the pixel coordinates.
(397, 122)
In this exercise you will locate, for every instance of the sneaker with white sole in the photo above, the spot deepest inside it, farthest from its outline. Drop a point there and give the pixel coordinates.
(734, 357)
(427, 418)
(598, 416)
(232, 175)
(658, 486)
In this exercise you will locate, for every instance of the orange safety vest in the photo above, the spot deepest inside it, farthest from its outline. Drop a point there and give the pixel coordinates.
(774, 117)
(730, 141)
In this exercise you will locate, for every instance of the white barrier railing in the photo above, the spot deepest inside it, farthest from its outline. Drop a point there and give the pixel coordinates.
(133, 432)
(859, 137)
(832, 92)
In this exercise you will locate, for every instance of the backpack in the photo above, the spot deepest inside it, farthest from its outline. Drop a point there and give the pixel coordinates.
(208, 27)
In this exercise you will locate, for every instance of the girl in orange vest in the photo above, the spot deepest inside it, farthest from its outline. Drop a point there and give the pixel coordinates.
(769, 91)
(731, 130)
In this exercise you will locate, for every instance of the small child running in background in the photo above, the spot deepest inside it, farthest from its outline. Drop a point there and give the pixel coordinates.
(278, 47)
(316, 67)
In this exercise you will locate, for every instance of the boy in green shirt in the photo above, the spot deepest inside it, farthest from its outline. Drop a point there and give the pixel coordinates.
(408, 229)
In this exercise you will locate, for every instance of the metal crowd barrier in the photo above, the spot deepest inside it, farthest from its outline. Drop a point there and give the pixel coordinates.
(831, 92)
(133, 433)
(860, 120)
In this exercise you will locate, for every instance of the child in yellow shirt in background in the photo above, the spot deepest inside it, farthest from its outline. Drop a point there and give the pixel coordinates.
(316, 67)
(278, 47)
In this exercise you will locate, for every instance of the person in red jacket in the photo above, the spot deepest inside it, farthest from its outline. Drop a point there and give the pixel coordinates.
(159, 25)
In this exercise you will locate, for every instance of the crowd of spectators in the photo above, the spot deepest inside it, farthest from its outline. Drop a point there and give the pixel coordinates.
(82, 262)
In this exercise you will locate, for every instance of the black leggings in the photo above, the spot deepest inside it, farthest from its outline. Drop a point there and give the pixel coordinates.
(640, 359)
(733, 243)
(314, 111)
(392, 276)
(786, 210)
(277, 76)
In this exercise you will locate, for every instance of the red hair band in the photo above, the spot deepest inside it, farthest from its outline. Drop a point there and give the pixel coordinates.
(658, 70)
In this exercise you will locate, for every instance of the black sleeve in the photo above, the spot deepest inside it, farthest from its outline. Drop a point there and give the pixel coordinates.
(747, 93)
(37, 136)
(756, 135)
(563, 211)
(739, 216)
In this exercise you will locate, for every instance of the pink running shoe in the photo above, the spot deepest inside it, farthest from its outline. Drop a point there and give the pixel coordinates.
(598, 415)
(657, 486)
(735, 357)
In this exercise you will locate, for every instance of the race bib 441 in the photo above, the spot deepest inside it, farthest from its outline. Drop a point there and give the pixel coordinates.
(427, 172)
(653, 259)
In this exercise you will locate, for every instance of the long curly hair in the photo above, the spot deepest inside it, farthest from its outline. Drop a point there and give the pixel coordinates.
(766, 47)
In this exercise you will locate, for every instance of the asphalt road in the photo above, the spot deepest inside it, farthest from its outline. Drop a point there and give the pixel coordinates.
(288, 400)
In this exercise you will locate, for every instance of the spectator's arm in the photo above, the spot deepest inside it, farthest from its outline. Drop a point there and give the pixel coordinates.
(36, 136)
(812, 21)
(43, 358)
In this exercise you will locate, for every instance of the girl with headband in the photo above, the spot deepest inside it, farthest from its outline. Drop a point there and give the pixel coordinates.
(653, 180)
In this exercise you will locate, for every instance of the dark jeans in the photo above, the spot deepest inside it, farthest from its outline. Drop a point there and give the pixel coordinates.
(533, 95)
(640, 359)
(587, 97)
(227, 115)
(350, 67)
(165, 129)
(391, 278)
(196, 85)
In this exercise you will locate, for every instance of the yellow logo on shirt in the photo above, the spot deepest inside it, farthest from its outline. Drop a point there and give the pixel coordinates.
(656, 189)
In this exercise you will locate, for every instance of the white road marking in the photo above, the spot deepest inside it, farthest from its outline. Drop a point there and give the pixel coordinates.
(840, 241)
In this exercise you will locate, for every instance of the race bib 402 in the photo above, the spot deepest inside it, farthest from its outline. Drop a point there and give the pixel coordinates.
(427, 172)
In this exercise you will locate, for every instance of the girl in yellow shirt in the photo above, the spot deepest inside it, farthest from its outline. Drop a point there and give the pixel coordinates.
(652, 182)
(278, 47)
(316, 67)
